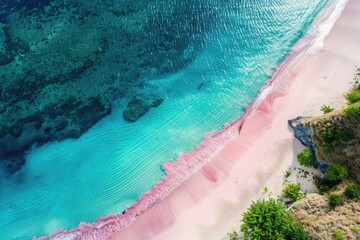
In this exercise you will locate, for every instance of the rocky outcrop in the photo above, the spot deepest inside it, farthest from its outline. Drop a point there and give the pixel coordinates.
(332, 138)
(337, 139)
(301, 131)
(304, 133)
(321, 222)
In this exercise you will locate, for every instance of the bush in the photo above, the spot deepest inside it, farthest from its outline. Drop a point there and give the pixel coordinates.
(335, 200)
(305, 158)
(271, 220)
(353, 96)
(336, 173)
(353, 191)
(328, 149)
(298, 233)
(323, 188)
(352, 111)
(233, 236)
(339, 235)
(293, 191)
(326, 109)
(328, 135)
(342, 135)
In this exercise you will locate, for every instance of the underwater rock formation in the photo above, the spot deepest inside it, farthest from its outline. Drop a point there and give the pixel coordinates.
(135, 109)
(64, 63)
(140, 105)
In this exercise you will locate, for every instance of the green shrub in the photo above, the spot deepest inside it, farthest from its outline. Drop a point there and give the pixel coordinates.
(328, 135)
(353, 191)
(352, 111)
(271, 220)
(328, 149)
(233, 236)
(342, 135)
(336, 173)
(353, 96)
(298, 233)
(339, 235)
(335, 200)
(326, 109)
(306, 158)
(293, 191)
(323, 188)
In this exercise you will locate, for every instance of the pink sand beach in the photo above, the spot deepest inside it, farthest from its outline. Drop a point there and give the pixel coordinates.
(205, 192)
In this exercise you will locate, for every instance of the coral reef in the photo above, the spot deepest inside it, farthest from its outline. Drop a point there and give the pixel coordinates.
(139, 105)
(64, 63)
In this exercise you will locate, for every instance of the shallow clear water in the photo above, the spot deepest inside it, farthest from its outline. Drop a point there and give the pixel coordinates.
(111, 165)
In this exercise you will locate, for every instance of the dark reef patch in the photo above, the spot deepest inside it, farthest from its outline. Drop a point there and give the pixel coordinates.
(135, 109)
(9, 6)
(140, 105)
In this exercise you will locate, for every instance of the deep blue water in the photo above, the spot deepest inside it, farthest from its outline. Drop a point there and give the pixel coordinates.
(9, 6)
(233, 47)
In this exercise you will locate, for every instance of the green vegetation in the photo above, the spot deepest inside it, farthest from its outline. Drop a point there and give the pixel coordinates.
(305, 158)
(233, 236)
(353, 191)
(353, 96)
(352, 111)
(271, 220)
(293, 192)
(336, 173)
(328, 149)
(329, 135)
(335, 200)
(287, 173)
(326, 109)
(355, 229)
(323, 188)
(339, 235)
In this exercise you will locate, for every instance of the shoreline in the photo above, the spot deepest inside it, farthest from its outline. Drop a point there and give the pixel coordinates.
(186, 182)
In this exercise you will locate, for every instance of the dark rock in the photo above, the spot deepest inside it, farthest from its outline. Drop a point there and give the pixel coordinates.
(135, 109)
(303, 132)
(139, 105)
(156, 102)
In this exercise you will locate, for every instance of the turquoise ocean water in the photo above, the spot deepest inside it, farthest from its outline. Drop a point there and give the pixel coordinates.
(111, 165)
